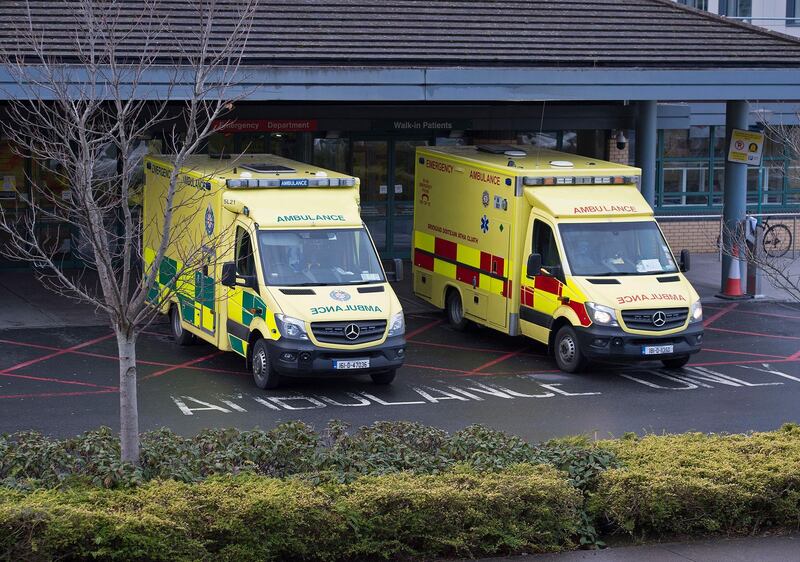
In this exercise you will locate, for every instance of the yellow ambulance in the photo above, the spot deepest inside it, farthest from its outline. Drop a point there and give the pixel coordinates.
(269, 258)
(557, 247)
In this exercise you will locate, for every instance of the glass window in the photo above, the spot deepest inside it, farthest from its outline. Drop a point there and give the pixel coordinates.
(699, 4)
(319, 257)
(736, 8)
(681, 180)
(618, 248)
(544, 243)
(245, 264)
(331, 154)
(683, 143)
(792, 12)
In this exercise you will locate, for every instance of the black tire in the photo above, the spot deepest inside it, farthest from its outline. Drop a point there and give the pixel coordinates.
(777, 240)
(264, 375)
(567, 351)
(676, 362)
(455, 311)
(385, 377)
(179, 334)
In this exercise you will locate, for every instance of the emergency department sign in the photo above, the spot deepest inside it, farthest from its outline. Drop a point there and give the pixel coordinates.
(746, 147)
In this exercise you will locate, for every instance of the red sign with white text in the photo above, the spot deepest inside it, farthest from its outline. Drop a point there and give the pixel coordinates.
(265, 125)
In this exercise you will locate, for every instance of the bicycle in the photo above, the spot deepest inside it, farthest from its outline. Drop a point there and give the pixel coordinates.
(777, 239)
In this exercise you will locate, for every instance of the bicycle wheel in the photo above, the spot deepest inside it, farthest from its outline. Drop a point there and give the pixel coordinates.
(777, 240)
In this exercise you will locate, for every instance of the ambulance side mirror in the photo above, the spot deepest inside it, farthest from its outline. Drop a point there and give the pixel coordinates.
(534, 266)
(686, 260)
(395, 275)
(230, 279)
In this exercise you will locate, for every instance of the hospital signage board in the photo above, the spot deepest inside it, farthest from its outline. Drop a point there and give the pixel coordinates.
(746, 147)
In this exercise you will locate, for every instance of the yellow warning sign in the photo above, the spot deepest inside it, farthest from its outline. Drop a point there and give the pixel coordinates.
(746, 147)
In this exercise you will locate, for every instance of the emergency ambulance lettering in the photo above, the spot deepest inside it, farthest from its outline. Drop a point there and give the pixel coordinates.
(651, 297)
(346, 308)
(440, 166)
(604, 209)
(294, 218)
(484, 177)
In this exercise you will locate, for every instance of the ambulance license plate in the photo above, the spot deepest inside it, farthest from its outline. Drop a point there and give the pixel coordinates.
(352, 364)
(656, 349)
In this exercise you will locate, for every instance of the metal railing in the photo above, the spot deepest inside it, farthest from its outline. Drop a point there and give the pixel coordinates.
(775, 218)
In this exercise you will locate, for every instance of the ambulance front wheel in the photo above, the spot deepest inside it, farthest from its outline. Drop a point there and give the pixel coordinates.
(385, 377)
(569, 356)
(179, 334)
(455, 311)
(264, 374)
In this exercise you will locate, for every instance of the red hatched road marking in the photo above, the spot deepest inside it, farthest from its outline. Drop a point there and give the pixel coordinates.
(716, 316)
(180, 366)
(51, 379)
(743, 333)
(56, 394)
(424, 328)
(498, 360)
(57, 353)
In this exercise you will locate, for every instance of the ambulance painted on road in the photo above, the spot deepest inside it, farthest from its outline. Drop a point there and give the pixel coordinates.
(557, 247)
(287, 275)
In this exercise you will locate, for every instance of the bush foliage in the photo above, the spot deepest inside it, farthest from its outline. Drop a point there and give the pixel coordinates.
(29, 460)
(699, 484)
(457, 513)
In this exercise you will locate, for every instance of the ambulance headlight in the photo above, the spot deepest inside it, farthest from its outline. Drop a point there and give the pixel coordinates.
(397, 325)
(696, 313)
(603, 315)
(291, 328)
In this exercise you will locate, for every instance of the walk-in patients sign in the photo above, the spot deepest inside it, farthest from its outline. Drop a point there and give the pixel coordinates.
(746, 147)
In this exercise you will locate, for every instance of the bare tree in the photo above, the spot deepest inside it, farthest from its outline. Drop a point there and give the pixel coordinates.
(95, 94)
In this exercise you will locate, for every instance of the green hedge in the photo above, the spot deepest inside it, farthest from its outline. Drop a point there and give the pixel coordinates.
(457, 513)
(699, 484)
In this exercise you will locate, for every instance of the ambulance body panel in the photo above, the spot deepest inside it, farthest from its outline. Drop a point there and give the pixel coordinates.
(606, 272)
(303, 275)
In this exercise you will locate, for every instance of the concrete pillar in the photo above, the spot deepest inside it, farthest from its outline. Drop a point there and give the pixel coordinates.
(646, 146)
(734, 202)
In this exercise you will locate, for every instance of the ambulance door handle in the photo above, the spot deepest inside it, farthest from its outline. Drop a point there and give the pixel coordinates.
(476, 300)
(474, 281)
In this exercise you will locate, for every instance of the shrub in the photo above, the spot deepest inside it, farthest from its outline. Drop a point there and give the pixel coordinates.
(695, 483)
(248, 517)
(30, 460)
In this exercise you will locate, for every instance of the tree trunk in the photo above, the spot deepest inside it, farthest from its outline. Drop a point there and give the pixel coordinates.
(128, 407)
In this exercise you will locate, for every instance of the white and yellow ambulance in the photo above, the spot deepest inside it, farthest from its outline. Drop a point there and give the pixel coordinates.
(557, 247)
(269, 258)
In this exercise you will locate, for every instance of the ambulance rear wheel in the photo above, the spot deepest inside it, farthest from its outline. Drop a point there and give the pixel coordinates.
(455, 311)
(386, 377)
(675, 362)
(568, 351)
(264, 374)
(179, 334)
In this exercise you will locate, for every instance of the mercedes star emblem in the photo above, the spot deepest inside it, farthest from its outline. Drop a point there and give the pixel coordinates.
(659, 319)
(351, 331)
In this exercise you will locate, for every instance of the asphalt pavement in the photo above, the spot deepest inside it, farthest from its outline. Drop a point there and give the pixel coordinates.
(746, 378)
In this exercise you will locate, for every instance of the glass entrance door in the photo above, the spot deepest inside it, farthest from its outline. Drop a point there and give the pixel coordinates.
(386, 169)
(370, 162)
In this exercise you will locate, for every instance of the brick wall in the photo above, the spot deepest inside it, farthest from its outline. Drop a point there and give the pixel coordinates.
(700, 235)
(620, 156)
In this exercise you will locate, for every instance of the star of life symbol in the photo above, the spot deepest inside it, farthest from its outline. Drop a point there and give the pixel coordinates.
(340, 295)
(485, 224)
(209, 220)
(351, 331)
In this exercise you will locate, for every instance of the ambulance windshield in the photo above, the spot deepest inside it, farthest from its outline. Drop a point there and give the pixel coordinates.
(616, 248)
(319, 257)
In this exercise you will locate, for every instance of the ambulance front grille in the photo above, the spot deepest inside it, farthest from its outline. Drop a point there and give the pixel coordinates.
(337, 332)
(649, 319)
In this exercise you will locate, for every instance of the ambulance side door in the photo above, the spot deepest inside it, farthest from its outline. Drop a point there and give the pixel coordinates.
(243, 302)
(539, 295)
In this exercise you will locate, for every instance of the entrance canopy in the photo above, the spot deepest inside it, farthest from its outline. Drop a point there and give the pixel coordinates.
(459, 50)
